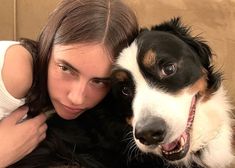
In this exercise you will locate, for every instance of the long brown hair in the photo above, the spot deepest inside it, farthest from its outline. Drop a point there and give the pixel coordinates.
(109, 22)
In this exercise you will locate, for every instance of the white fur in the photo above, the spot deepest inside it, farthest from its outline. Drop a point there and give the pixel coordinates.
(211, 128)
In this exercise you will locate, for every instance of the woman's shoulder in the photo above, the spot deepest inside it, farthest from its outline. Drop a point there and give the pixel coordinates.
(17, 70)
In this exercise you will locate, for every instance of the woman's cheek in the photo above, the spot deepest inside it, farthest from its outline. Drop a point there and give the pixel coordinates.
(97, 96)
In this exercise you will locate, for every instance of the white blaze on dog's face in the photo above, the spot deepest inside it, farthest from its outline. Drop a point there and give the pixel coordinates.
(165, 73)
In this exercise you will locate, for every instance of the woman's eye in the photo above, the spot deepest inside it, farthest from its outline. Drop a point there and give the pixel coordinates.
(63, 68)
(99, 83)
(66, 69)
(168, 69)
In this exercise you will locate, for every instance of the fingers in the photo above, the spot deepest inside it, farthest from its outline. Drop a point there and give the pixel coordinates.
(42, 129)
(36, 130)
(17, 115)
(40, 123)
(39, 120)
(42, 137)
(36, 125)
(35, 143)
(42, 132)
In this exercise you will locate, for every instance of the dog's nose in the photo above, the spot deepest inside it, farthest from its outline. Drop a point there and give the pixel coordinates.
(151, 131)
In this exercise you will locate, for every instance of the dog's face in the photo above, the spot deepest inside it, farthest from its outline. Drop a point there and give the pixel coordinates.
(161, 75)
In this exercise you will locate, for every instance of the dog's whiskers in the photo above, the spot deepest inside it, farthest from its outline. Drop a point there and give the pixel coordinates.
(131, 149)
(128, 136)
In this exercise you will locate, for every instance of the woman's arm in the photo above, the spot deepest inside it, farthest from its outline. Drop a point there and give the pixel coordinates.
(17, 71)
(19, 138)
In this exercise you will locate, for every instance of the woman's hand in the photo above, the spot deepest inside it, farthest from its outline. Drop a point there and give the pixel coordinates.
(17, 139)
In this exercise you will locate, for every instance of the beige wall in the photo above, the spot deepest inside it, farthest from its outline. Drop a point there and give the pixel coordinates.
(29, 18)
(213, 19)
(6, 19)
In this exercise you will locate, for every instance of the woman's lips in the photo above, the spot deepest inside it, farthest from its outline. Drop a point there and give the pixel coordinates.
(72, 109)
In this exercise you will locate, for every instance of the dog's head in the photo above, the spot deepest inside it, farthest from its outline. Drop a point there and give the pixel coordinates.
(161, 75)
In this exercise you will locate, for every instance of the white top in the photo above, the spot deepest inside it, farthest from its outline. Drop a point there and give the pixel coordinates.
(7, 102)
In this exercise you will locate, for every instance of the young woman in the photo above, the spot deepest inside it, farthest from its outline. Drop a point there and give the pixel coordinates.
(71, 65)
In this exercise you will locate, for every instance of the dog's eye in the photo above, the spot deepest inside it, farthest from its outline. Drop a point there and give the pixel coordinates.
(168, 69)
(126, 91)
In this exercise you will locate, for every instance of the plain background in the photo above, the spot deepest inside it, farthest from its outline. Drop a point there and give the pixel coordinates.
(212, 19)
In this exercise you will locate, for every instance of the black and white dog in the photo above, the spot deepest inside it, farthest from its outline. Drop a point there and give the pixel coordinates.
(180, 109)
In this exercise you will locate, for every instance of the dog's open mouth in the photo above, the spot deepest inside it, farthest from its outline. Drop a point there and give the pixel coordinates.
(178, 149)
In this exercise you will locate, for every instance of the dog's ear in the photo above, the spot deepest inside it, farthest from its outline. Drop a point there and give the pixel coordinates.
(173, 26)
(197, 44)
(204, 52)
(142, 30)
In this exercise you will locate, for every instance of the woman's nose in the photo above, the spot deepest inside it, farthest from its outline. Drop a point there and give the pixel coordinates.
(77, 93)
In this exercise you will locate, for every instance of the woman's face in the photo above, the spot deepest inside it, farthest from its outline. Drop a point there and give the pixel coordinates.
(78, 78)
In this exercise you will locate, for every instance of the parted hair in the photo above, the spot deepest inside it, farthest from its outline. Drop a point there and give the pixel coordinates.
(108, 22)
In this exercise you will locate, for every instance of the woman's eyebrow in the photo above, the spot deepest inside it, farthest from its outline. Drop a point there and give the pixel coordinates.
(77, 71)
(104, 79)
(69, 65)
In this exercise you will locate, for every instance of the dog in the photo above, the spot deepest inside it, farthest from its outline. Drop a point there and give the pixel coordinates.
(180, 108)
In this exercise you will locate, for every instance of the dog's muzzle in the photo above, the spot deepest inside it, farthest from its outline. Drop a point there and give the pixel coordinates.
(152, 132)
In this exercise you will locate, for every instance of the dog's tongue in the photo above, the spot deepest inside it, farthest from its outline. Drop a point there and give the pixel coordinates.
(170, 146)
(180, 141)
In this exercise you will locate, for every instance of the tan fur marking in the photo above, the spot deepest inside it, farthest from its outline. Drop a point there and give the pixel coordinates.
(149, 58)
(121, 76)
(199, 86)
(129, 120)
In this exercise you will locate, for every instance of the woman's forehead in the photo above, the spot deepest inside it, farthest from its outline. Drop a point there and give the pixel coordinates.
(92, 59)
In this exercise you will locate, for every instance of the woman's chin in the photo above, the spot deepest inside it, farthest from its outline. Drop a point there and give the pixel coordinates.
(68, 116)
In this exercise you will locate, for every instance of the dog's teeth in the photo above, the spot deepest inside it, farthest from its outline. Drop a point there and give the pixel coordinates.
(179, 149)
(182, 141)
(172, 152)
(165, 152)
